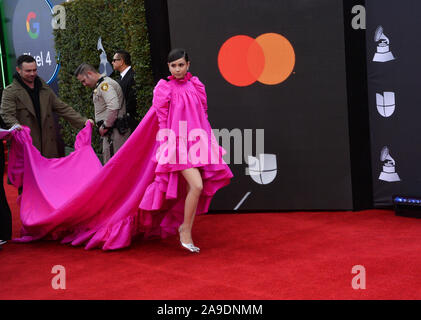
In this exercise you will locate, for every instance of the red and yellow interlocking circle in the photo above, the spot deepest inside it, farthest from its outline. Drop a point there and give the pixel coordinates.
(269, 59)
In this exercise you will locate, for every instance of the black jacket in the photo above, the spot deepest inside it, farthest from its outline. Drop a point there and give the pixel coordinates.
(128, 86)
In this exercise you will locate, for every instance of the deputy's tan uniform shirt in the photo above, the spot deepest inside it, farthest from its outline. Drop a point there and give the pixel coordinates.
(109, 105)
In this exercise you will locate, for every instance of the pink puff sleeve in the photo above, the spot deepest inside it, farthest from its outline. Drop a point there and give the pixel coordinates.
(200, 88)
(161, 102)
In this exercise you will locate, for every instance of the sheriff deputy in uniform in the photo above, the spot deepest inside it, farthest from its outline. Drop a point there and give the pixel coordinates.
(110, 109)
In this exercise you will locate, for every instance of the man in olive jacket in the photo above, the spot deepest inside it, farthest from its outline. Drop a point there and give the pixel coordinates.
(30, 102)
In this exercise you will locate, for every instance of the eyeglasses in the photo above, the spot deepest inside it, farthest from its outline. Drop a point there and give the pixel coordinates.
(114, 60)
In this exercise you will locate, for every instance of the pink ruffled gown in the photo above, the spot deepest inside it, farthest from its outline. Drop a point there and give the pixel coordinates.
(181, 107)
(139, 191)
(188, 141)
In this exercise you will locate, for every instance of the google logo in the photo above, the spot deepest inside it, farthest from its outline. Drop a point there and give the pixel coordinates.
(32, 15)
(268, 59)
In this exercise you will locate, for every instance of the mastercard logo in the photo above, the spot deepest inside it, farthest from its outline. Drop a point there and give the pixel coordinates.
(268, 59)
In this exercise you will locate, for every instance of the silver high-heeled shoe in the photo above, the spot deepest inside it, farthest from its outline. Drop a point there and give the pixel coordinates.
(189, 246)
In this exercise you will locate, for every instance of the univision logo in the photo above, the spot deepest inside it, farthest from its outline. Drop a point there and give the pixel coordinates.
(386, 103)
(35, 25)
(263, 170)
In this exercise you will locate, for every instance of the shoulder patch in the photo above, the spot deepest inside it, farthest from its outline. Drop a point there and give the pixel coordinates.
(104, 86)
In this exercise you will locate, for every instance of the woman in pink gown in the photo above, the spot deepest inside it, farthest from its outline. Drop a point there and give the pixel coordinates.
(188, 146)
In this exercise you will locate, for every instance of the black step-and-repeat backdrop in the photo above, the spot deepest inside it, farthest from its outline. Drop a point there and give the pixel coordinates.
(394, 68)
(274, 72)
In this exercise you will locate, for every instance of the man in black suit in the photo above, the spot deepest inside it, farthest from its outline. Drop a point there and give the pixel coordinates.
(122, 64)
(5, 214)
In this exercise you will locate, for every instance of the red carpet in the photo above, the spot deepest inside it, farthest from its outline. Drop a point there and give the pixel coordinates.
(243, 256)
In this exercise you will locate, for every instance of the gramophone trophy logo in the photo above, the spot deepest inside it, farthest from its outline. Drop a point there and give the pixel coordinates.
(386, 103)
(383, 53)
(104, 66)
(389, 173)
